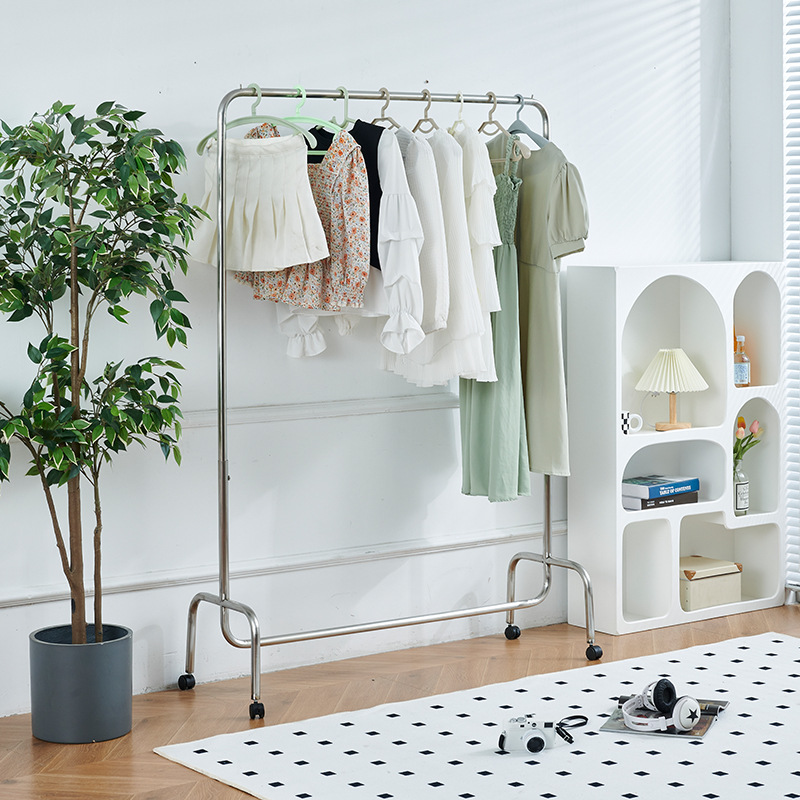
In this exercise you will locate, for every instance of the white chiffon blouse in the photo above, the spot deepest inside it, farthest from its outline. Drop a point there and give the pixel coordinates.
(420, 168)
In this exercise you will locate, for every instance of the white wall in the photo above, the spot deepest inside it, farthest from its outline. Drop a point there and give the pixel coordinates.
(349, 508)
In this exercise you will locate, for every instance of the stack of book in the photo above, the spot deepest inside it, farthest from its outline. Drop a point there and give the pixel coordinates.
(656, 491)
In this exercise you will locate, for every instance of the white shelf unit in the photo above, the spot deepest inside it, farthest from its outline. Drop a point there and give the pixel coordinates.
(617, 319)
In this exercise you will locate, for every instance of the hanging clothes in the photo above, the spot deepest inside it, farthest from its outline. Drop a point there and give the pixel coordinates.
(552, 223)
(271, 220)
(394, 292)
(340, 190)
(494, 445)
(420, 168)
(484, 236)
(457, 349)
(368, 138)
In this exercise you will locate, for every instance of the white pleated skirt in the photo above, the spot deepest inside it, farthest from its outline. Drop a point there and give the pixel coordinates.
(271, 218)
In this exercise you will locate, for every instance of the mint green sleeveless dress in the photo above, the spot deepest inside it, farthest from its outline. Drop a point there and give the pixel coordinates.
(494, 443)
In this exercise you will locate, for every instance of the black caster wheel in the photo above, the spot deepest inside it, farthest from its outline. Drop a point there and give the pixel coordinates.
(186, 682)
(513, 632)
(256, 711)
(594, 652)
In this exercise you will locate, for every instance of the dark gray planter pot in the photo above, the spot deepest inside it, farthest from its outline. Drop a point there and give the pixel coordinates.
(81, 692)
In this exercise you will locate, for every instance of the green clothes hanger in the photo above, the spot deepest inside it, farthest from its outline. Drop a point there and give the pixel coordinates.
(254, 119)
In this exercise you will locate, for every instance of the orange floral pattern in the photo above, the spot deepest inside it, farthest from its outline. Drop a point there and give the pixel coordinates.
(341, 193)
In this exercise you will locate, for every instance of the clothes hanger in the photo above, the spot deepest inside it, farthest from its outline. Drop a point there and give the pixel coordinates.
(383, 119)
(254, 118)
(460, 121)
(425, 124)
(518, 126)
(298, 117)
(347, 119)
(491, 125)
(519, 150)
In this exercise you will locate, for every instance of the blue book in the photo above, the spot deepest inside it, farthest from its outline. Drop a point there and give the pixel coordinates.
(650, 486)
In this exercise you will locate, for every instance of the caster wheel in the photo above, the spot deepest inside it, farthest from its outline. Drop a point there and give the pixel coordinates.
(513, 632)
(186, 682)
(256, 711)
(594, 652)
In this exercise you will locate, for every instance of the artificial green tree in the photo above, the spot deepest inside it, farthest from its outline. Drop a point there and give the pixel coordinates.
(89, 219)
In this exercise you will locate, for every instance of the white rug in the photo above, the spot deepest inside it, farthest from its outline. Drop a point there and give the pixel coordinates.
(445, 747)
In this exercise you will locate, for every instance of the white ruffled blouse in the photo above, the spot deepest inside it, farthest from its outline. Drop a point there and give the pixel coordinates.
(420, 168)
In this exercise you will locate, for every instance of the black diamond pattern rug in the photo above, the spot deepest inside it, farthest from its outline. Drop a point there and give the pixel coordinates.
(446, 747)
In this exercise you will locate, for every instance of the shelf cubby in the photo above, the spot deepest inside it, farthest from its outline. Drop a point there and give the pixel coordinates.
(646, 586)
(698, 458)
(761, 577)
(675, 311)
(762, 463)
(757, 316)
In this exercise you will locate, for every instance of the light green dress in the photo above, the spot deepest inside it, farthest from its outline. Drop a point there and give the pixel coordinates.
(493, 438)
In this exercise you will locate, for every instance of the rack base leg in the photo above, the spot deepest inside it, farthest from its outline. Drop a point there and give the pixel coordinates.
(593, 652)
(187, 681)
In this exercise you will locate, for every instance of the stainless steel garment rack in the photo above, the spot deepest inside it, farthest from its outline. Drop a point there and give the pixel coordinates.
(223, 599)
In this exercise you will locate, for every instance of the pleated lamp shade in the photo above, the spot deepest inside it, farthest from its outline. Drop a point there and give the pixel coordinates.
(671, 371)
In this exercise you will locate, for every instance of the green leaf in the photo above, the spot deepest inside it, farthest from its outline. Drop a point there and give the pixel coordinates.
(104, 108)
(34, 354)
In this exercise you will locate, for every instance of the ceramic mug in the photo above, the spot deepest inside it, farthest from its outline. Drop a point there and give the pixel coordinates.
(631, 423)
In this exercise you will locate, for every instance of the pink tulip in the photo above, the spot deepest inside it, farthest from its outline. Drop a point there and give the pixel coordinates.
(754, 428)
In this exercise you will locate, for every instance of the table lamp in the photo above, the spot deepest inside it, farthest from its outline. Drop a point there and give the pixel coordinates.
(671, 371)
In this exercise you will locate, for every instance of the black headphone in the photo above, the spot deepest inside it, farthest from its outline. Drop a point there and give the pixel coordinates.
(682, 713)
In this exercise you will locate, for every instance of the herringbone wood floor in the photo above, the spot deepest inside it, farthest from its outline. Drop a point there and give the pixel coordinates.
(127, 769)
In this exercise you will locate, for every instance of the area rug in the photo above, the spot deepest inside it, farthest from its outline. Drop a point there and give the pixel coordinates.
(446, 747)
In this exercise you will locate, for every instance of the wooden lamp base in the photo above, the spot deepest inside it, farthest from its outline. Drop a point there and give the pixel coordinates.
(673, 424)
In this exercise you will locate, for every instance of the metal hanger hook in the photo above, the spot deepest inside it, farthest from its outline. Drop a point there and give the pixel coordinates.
(302, 94)
(460, 97)
(257, 89)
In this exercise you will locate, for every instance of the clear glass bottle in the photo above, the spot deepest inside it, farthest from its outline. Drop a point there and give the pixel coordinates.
(741, 490)
(741, 364)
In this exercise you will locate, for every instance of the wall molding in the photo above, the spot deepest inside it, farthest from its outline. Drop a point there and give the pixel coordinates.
(325, 409)
(295, 563)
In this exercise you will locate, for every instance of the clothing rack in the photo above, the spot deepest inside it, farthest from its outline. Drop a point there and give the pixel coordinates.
(223, 599)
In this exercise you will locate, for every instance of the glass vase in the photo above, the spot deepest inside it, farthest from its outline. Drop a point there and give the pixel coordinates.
(741, 490)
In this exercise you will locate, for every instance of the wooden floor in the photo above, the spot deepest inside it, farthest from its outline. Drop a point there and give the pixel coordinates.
(127, 768)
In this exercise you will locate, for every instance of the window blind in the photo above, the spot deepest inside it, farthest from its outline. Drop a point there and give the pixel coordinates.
(792, 295)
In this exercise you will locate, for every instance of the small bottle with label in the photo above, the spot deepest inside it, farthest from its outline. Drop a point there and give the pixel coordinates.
(741, 364)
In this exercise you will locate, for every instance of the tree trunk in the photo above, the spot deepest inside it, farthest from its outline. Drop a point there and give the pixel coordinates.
(78, 588)
(98, 579)
(74, 484)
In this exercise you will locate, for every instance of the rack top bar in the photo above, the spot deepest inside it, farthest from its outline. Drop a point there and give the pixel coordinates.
(419, 97)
